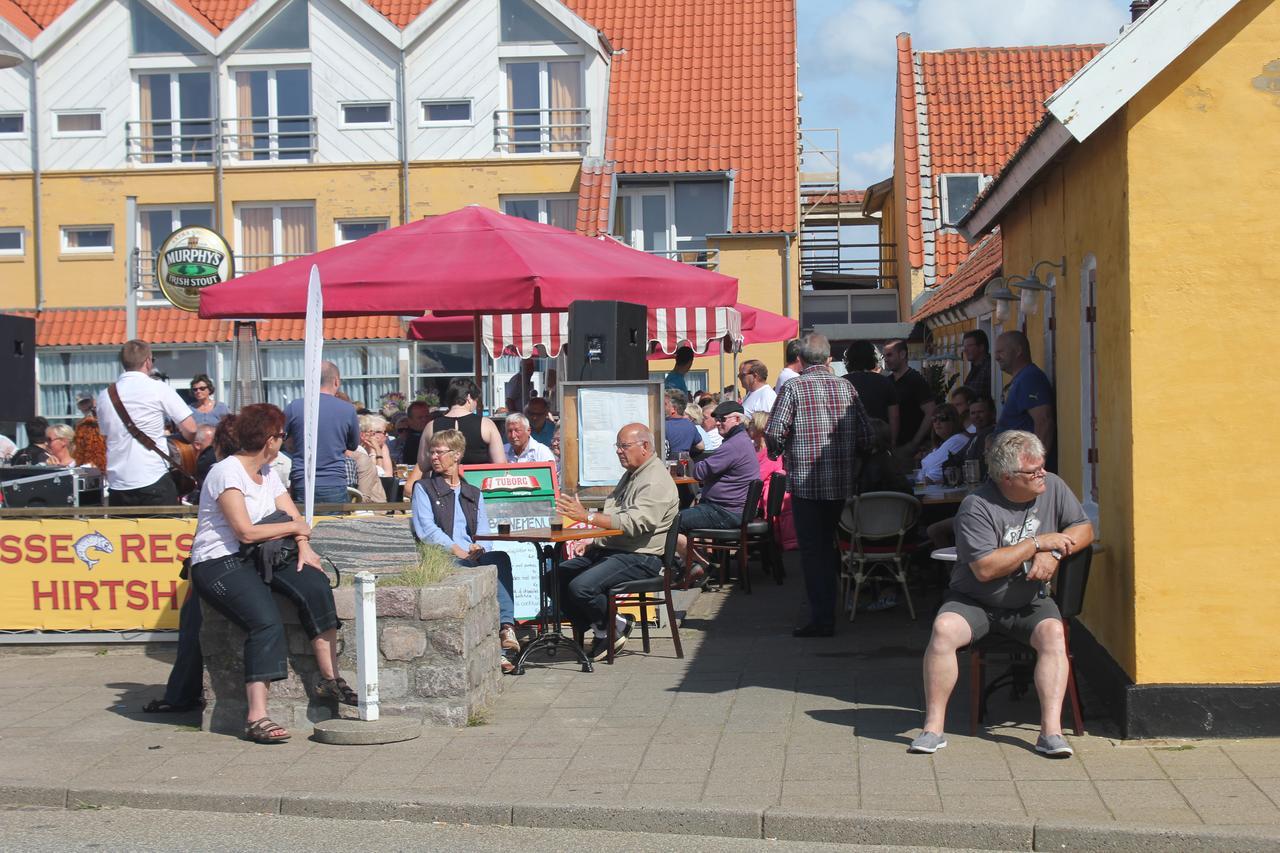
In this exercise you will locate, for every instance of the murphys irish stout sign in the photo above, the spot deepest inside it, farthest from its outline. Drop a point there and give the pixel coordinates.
(190, 259)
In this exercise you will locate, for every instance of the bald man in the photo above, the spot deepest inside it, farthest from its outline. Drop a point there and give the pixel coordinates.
(1029, 404)
(643, 506)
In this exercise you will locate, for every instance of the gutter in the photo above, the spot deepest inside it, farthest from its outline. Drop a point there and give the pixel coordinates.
(37, 229)
(1049, 138)
(403, 140)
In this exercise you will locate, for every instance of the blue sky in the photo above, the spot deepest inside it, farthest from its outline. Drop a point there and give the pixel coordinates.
(847, 54)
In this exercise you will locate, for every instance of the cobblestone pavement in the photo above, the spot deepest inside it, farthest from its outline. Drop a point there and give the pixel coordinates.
(750, 719)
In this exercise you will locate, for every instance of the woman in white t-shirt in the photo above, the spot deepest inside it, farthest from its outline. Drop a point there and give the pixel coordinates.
(239, 492)
(948, 437)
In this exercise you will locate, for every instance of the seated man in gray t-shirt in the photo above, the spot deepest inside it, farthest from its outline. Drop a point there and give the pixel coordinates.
(1010, 535)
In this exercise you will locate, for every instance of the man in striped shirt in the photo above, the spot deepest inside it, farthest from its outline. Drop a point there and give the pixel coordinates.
(820, 426)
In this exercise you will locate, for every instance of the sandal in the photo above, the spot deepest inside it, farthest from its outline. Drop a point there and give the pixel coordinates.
(338, 690)
(263, 730)
(159, 706)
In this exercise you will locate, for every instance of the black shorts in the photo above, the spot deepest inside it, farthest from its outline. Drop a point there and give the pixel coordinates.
(1017, 623)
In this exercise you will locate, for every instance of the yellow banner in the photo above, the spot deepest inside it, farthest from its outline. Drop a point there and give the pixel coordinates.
(99, 574)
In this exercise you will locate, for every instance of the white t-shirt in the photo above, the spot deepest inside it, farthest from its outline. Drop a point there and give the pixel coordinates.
(760, 400)
(148, 402)
(214, 537)
(784, 376)
(534, 451)
(931, 465)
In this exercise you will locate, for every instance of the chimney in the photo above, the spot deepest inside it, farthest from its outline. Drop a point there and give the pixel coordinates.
(1137, 7)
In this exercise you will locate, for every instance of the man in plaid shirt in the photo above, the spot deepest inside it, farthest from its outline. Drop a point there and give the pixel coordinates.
(820, 426)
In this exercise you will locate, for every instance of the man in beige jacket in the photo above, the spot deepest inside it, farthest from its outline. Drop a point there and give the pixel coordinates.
(643, 506)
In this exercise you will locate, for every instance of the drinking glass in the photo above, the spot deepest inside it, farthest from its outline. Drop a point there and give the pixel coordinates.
(951, 476)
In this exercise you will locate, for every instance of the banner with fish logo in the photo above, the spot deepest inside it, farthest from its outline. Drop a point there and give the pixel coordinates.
(93, 575)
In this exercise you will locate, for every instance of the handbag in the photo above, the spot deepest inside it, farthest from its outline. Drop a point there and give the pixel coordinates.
(278, 554)
(181, 479)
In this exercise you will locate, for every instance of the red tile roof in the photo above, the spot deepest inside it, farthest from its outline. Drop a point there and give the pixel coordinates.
(594, 184)
(974, 271)
(979, 104)
(400, 12)
(62, 327)
(705, 88)
(20, 18)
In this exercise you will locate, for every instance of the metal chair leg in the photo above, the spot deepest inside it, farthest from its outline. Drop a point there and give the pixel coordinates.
(906, 592)
(1077, 713)
(744, 575)
(643, 602)
(612, 630)
(675, 631)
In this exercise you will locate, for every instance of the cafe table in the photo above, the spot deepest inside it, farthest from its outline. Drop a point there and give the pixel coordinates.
(683, 481)
(547, 542)
(935, 494)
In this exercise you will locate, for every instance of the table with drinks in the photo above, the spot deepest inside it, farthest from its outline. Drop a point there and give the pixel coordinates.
(958, 483)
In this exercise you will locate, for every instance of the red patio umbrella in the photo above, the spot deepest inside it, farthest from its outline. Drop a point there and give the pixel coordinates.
(470, 260)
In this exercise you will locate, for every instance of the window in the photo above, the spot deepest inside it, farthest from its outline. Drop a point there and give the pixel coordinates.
(368, 371)
(522, 22)
(350, 230)
(376, 114)
(269, 234)
(560, 211)
(958, 193)
(695, 380)
(77, 123)
(87, 239)
(286, 31)
(446, 112)
(434, 364)
(157, 223)
(12, 241)
(672, 218)
(152, 34)
(63, 375)
(175, 118)
(273, 112)
(544, 112)
(13, 125)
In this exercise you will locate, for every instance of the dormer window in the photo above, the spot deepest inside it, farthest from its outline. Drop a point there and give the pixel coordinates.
(521, 22)
(958, 194)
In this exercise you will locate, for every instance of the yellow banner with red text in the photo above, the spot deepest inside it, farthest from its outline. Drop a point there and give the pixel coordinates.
(94, 575)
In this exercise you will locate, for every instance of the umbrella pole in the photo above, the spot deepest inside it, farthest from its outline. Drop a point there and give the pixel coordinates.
(475, 354)
(735, 374)
(721, 357)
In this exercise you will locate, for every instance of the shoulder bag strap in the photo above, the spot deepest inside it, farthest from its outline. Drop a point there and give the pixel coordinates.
(138, 435)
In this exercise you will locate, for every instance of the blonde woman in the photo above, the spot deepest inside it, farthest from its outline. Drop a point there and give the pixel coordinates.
(61, 441)
(373, 441)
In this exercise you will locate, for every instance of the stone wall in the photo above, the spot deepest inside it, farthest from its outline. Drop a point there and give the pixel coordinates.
(438, 656)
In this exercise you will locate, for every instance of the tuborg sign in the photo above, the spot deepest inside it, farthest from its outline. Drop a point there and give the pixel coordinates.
(192, 258)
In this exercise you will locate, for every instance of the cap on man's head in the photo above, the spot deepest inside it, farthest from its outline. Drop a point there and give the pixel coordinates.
(728, 407)
(83, 396)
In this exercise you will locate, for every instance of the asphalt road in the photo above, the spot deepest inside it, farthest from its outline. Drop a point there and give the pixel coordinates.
(37, 829)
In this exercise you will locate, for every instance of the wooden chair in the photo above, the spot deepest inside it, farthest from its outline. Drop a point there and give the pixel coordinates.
(646, 593)
(726, 541)
(1069, 586)
(765, 531)
(877, 524)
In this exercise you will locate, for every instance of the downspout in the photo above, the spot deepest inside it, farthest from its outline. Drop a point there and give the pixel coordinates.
(216, 128)
(786, 273)
(37, 230)
(403, 140)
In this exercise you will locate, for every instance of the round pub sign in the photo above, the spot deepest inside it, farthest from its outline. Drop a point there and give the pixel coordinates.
(190, 259)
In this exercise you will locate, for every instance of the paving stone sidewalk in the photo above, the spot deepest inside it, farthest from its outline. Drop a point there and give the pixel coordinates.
(751, 719)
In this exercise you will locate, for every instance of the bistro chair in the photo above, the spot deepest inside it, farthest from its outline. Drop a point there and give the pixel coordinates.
(646, 593)
(1069, 585)
(766, 531)
(877, 524)
(726, 541)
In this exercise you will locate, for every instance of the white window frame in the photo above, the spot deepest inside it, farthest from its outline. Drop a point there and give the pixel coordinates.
(22, 134)
(277, 227)
(636, 238)
(943, 192)
(343, 124)
(423, 121)
(175, 145)
(65, 249)
(80, 134)
(384, 221)
(270, 63)
(22, 242)
(542, 54)
(540, 199)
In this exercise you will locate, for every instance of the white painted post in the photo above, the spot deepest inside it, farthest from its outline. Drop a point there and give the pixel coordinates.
(367, 646)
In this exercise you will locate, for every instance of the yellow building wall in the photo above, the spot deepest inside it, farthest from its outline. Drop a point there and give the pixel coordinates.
(1078, 210)
(440, 187)
(1203, 188)
(17, 273)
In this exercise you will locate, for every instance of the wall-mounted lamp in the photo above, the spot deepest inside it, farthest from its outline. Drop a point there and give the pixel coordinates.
(8, 59)
(1030, 284)
(997, 291)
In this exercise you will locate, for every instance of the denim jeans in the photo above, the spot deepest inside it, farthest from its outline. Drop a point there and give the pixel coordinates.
(234, 588)
(186, 679)
(708, 516)
(506, 584)
(324, 494)
(816, 522)
(585, 580)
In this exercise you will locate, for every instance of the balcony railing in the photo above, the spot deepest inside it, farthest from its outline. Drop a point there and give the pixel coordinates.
(542, 131)
(708, 259)
(253, 139)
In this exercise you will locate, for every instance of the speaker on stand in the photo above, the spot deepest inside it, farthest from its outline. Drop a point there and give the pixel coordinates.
(607, 341)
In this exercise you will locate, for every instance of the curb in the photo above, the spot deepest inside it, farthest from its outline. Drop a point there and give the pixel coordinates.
(775, 822)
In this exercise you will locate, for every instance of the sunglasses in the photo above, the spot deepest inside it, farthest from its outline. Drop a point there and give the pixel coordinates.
(201, 388)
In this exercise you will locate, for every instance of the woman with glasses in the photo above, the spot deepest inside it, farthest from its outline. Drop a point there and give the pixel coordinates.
(948, 437)
(206, 410)
(60, 440)
(373, 442)
(237, 498)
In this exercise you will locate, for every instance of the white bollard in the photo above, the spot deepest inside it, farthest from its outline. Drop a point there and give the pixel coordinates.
(367, 645)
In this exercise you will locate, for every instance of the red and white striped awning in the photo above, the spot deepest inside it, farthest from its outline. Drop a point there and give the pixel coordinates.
(671, 328)
(522, 332)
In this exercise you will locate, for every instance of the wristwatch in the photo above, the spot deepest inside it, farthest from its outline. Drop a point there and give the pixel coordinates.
(591, 516)
(1057, 555)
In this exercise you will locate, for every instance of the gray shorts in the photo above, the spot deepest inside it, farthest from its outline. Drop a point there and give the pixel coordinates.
(1017, 623)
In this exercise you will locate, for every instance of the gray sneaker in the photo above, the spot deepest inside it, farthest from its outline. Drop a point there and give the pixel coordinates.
(1054, 746)
(928, 743)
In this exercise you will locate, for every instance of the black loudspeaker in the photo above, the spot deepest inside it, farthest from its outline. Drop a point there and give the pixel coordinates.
(607, 341)
(17, 368)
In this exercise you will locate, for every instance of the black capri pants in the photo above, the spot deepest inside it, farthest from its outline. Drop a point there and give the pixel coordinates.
(233, 587)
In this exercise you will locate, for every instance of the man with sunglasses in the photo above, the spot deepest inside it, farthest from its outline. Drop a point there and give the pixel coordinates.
(725, 476)
(1010, 536)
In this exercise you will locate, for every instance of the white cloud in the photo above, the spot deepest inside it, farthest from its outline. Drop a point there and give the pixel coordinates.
(941, 24)
(862, 168)
(860, 36)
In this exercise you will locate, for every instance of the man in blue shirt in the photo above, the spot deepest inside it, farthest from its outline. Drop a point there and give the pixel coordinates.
(682, 435)
(338, 431)
(1029, 403)
(675, 378)
(541, 427)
